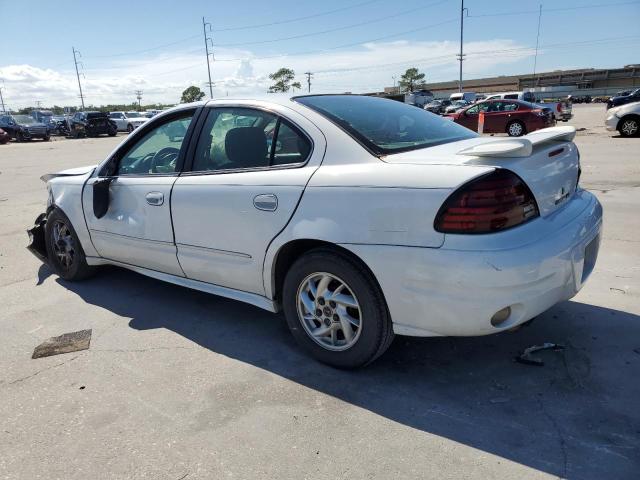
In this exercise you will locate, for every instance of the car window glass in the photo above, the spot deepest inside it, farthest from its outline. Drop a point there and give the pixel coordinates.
(157, 151)
(236, 138)
(512, 96)
(508, 107)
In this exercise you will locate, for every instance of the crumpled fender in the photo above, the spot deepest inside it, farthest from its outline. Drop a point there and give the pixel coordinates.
(69, 173)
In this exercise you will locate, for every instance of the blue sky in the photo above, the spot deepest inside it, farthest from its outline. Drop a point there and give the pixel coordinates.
(351, 45)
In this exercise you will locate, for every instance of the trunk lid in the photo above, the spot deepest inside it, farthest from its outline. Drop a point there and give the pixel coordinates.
(547, 160)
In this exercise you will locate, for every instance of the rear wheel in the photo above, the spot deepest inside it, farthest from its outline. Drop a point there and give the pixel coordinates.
(516, 129)
(629, 126)
(336, 310)
(129, 128)
(63, 248)
(46, 138)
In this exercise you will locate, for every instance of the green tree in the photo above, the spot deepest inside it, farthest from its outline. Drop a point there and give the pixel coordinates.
(192, 94)
(411, 79)
(282, 79)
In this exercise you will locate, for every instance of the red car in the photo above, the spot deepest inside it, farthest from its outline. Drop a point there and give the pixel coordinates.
(4, 137)
(514, 117)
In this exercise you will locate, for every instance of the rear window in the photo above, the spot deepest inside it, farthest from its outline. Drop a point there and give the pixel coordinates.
(386, 126)
(96, 115)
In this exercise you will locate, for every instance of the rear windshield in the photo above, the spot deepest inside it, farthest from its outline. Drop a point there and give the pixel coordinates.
(386, 126)
(96, 114)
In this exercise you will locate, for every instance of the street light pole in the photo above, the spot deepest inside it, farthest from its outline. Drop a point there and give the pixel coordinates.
(461, 55)
(206, 47)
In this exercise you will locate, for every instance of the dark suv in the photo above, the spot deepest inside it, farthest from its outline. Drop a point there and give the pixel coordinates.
(92, 124)
(23, 127)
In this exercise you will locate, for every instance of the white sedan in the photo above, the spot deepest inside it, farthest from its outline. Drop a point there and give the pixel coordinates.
(360, 217)
(625, 119)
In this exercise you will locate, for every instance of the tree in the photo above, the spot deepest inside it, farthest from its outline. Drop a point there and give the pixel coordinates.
(282, 79)
(410, 79)
(192, 94)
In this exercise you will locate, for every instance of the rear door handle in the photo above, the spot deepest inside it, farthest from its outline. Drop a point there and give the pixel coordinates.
(266, 201)
(155, 198)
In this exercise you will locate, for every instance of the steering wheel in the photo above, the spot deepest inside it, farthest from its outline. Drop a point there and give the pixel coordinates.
(164, 157)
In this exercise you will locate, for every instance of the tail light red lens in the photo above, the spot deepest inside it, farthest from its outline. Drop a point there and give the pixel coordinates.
(491, 203)
(559, 107)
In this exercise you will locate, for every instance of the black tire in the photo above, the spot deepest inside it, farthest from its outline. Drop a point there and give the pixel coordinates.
(518, 129)
(376, 330)
(19, 137)
(112, 133)
(129, 128)
(77, 269)
(629, 126)
(47, 138)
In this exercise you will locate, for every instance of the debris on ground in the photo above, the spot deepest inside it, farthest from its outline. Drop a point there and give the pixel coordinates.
(526, 358)
(66, 343)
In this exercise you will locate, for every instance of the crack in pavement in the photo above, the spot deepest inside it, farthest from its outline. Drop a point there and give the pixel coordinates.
(18, 380)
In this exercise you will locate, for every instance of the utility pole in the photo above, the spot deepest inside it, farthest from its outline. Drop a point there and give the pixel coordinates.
(206, 47)
(38, 104)
(2, 100)
(75, 61)
(535, 59)
(139, 97)
(309, 75)
(461, 55)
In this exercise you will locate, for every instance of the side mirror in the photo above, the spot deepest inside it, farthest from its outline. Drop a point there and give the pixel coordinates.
(101, 197)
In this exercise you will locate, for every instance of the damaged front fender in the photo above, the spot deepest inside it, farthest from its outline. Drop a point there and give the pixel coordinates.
(37, 243)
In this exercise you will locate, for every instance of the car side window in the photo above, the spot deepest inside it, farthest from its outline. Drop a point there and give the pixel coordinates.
(509, 107)
(157, 151)
(240, 138)
(512, 96)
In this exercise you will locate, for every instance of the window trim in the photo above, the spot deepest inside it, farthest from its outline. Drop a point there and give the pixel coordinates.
(128, 145)
(188, 171)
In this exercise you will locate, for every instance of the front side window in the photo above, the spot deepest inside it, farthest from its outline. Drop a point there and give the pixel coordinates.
(480, 107)
(157, 151)
(240, 138)
(385, 126)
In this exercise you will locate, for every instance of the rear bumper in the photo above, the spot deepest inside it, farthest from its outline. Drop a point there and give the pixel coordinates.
(456, 289)
(37, 244)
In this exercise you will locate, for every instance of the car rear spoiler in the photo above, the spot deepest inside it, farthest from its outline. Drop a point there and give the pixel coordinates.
(520, 147)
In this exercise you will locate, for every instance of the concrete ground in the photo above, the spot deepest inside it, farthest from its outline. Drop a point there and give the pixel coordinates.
(179, 384)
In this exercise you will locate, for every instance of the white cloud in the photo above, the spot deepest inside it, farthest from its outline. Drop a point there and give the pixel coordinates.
(162, 78)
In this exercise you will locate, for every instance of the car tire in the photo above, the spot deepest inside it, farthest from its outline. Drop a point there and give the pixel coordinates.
(516, 129)
(629, 126)
(19, 137)
(362, 309)
(112, 133)
(47, 138)
(64, 250)
(129, 128)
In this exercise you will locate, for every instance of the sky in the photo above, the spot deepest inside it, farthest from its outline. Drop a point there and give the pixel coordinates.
(350, 45)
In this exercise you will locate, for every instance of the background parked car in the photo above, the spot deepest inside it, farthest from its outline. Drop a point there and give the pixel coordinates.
(4, 137)
(127, 121)
(624, 99)
(625, 119)
(562, 110)
(437, 106)
(505, 116)
(24, 127)
(468, 96)
(92, 124)
(456, 105)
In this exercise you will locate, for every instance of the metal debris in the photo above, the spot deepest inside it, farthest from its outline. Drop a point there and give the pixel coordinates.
(69, 342)
(526, 358)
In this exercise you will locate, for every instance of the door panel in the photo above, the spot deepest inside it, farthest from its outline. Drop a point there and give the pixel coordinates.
(133, 230)
(221, 233)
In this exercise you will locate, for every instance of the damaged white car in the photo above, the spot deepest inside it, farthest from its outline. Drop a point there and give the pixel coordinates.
(359, 217)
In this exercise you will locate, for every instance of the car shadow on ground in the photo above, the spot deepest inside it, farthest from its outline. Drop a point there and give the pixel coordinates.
(575, 417)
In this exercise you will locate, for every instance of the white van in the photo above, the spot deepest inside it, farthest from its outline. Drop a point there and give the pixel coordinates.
(524, 96)
(466, 96)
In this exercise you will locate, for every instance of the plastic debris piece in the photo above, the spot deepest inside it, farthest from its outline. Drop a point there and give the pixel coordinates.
(526, 358)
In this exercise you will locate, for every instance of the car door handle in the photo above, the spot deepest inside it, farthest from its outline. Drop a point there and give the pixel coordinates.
(155, 198)
(266, 201)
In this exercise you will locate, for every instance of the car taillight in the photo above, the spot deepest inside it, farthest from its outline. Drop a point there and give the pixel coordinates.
(491, 203)
(559, 107)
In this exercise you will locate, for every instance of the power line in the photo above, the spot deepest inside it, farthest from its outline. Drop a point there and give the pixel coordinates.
(558, 9)
(291, 20)
(331, 30)
(75, 61)
(535, 59)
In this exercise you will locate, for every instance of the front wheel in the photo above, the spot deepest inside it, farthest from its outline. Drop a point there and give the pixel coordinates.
(129, 128)
(516, 129)
(336, 310)
(64, 251)
(629, 127)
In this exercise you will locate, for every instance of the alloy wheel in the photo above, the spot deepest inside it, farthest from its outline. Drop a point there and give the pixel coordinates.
(329, 311)
(63, 245)
(515, 129)
(629, 127)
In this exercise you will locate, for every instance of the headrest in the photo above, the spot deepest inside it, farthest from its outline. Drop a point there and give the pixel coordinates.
(246, 147)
